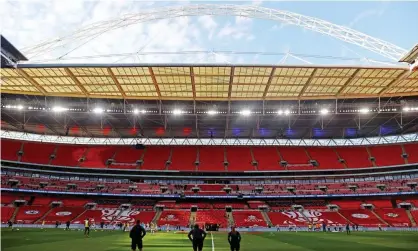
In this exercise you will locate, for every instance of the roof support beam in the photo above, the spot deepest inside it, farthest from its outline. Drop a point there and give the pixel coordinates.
(266, 90)
(400, 77)
(154, 80)
(112, 75)
(32, 81)
(193, 83)
(73, 78)
(307, 83)
(349, 81)
(231, 79)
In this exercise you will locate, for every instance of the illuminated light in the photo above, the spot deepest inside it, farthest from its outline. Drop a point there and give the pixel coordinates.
(287, 112)
(8, 106)
(59, 109)
(98, 110)
(212, 112)
(364, 110)
(136, 111)
(406, 109)
(324, 111)
(177, 112)
(245, 112)
(143, 111)
(19, 107)
(280, 112)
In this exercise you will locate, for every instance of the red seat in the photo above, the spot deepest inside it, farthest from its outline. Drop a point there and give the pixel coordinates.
(96, 156)
(126, 157)
(296, 158)
(412, 151)
(326, 157)
(361, 217)
(9, 149)
(396, 217)
(355, 157)
(155, 158)
(239, 159)
(248, 219)
(212, 217)
(29, 214)
(63, 214)
(38, 153)
(387, 155)
(68, 155)
(6, 213)
(183, 158)
(211, 158)
(267, 157)
(174, 218)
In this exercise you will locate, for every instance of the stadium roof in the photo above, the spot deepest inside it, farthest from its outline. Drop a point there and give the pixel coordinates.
(209, 82)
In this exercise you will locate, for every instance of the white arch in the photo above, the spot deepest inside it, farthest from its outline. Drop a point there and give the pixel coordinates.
(342, 33)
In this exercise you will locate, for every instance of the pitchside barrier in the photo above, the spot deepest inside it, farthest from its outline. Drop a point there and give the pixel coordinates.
(251, 229)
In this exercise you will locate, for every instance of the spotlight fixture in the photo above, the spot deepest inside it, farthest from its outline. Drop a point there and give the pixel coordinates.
(177, 112)
(324, 111)
(212, 112)
(287, 112)
(136, 111)
(245, 112)
(98, 110)
(59, 109)
(364, 110)
(280, 112)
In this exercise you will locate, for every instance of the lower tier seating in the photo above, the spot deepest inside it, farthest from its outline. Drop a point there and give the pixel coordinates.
(63, 214)
(212, 217)
(174, 218)
(361, 217)
(6, 213)
(29, 214)
(396, 217)
(248, 219)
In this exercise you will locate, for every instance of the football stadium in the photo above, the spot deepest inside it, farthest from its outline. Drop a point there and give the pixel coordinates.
(234, 149)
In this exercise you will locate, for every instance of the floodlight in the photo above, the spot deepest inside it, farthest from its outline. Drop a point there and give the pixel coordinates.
(212, 112)
(136, 111)
(364, 110)
(406, 109)
(177, 112)
(19, 107)
(287, 112)
(324, 111)
(59, 109)
(280, 112)
(98, 110)
(245, 112)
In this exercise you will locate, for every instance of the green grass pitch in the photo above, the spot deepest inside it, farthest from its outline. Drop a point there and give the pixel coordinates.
(60, 240)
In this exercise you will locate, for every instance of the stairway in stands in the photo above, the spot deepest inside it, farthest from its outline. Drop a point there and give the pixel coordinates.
(12, 219)
(231, 221)
(380, 218)
(192, 219)
(157, 216)
(78, 216)
(411, 218)
(267, 218)
(43, 216)
(351, 223)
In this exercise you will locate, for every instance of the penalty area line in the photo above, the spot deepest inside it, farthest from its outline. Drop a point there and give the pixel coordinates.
(213, 244)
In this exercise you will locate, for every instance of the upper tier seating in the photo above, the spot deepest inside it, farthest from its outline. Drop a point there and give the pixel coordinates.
(126, 157)
(212, 216)
(267, 157)
(183, 158)
(239, 159)
(211, 158)
(6, 213)
(361, 217)
(248, 218)
(325, 156)
(347, 204)
(174, 218)
(396, 217)
(387, 155)
(412, 151)
(380, 203)
(355, 157)
(37, 152)
(414, 214)
(155, 158)
(10, 149)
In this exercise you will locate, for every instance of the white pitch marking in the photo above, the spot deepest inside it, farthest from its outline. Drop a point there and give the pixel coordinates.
(213, 244)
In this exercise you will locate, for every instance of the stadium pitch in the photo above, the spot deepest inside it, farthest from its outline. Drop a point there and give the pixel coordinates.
(57, 239)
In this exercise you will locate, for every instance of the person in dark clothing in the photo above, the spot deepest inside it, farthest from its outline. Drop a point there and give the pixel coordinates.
(57, 224)
(234, 239)
(137, 233)
(67, 225)
(102, 224)
(347, 228)
(197, 236)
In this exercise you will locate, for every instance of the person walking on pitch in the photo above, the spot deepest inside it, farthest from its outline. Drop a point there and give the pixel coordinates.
(197, 237)
(234, 239)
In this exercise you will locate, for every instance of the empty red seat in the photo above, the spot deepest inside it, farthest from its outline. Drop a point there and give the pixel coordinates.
(396, 217)
(174, 218)
(9, 149)
(239, 159)
(183, 158)
(63, 214)
(387, 155)
(267, 157)
(68, 155)
(96, 156)
(38, 153)
(155, 158)
(248, 219)
(296, 158)
(412, 151)
(126, 157)
(29, 214)
(361, 217)
(326, 157)
(211, 158)
(355, 157)
(6, 213)
(212, 217)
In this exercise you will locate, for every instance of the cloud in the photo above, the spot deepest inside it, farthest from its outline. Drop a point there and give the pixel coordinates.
(257, 2)
(209, 24)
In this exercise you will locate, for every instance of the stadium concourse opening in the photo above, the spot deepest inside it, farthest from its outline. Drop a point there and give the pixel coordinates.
(117, 156)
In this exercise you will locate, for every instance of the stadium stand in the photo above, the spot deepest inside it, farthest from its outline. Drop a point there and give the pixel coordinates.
(174, 218)
(212, 217)
(267, 158)
(412, 151)
(354, 157)
(10, 149)
(296, 157)
(239, 159)
(395, 217)
(326, 157)
(211, 159)
(29, 214)
(183, 158)
(68, 155)
(63, 214)
(361, 217)
(155, 158)
(6, 213)
(96, 157)
(126, 157)
(387, 155)
(38, 153)
(248, 218)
